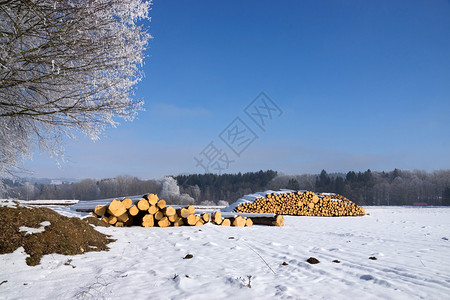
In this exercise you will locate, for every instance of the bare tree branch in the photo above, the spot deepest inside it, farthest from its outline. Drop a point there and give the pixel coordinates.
(66, 65)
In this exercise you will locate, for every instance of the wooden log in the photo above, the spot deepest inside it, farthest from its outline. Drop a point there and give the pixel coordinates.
(248, 222)
(112, 220)
(130, 222)
(100, 210)
(184, 212)
(127, 202)
(178, 222)
(123, 218)
(205, 217)
(238, 221)
(226, 222)
(153, 209)
(277, 220)
(191, 209)
(148, 221)
(191, 220)
(169, 211)
(119, 224)
(143, 204)
(173, 218)
(217, 218)
(133, 210)
(315, 199)
(159, 215)
(116, 208)
(152, 199)
(199, 222)
(161, 204)
(164, 222)
(105, 219)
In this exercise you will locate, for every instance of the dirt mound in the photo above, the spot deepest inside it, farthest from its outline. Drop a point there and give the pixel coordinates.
(63, 235)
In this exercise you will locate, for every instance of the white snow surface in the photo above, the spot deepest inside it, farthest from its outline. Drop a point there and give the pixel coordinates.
(31, 230)
(411, 246)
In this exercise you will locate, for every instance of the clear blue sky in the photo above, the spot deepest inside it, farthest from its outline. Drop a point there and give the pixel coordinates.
(361, 84)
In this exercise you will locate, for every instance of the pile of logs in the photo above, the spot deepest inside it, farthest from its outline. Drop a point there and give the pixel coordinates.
(302, 204)
(243, 220)
(151, 211)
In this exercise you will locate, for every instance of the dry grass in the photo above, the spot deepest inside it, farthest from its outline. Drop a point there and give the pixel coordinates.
(68, 236)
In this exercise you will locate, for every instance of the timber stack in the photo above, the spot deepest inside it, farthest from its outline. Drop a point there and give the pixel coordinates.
(300, 203)
(243, 221)
(150, 211)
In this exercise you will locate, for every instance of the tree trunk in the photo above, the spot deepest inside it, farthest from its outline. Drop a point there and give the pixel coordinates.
(100, 210)
(143, 204)
(161, 204)
(148, 221)
(133, 211)
(277, 220)
(153, 209)
(164, 222)
(127, 202)
(226, 222)
(217, 218)
(116, 208)
(169, 211)
(238, 221)
(152, 199)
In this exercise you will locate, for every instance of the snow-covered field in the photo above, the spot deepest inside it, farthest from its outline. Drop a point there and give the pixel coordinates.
(411, 246)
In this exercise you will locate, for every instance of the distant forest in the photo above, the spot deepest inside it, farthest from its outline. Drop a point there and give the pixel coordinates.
(397, 187)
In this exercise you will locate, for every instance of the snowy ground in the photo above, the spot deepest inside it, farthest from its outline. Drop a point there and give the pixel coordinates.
(411, 246)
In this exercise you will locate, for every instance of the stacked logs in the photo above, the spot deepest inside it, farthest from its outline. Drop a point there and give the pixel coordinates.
(150, 211)
(236, 221)
(303, 204)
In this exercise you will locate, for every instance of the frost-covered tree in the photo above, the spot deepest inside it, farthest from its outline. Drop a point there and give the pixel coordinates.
(66, 66)
(171, 192)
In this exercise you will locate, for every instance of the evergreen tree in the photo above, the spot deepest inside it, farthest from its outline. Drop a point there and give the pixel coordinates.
(446, 197)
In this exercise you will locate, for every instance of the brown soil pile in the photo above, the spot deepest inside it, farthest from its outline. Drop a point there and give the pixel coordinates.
(68, 236)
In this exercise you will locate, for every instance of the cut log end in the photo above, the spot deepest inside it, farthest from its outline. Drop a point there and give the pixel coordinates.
(143, 204)
(191, 220)
(116, 208)
(152, 198)
(238, 221)
(133, 210)
(226, 222)
(148, 221)
(127, 202)
(164, 222)
(100, 210)
(205, 217)
(217, 218)
(169, 211)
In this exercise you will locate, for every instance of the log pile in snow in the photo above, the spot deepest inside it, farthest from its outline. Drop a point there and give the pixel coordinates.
(243, 220)
(150, 211)
(301, 203)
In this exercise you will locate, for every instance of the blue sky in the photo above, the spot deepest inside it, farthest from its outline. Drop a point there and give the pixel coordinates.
(361, 84)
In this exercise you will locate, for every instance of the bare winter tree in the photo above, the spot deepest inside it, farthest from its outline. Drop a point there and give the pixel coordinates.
(66, 65)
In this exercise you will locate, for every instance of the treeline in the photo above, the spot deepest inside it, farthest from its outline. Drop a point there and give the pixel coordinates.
(397, 187)
(86, 189)
(228, 187)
